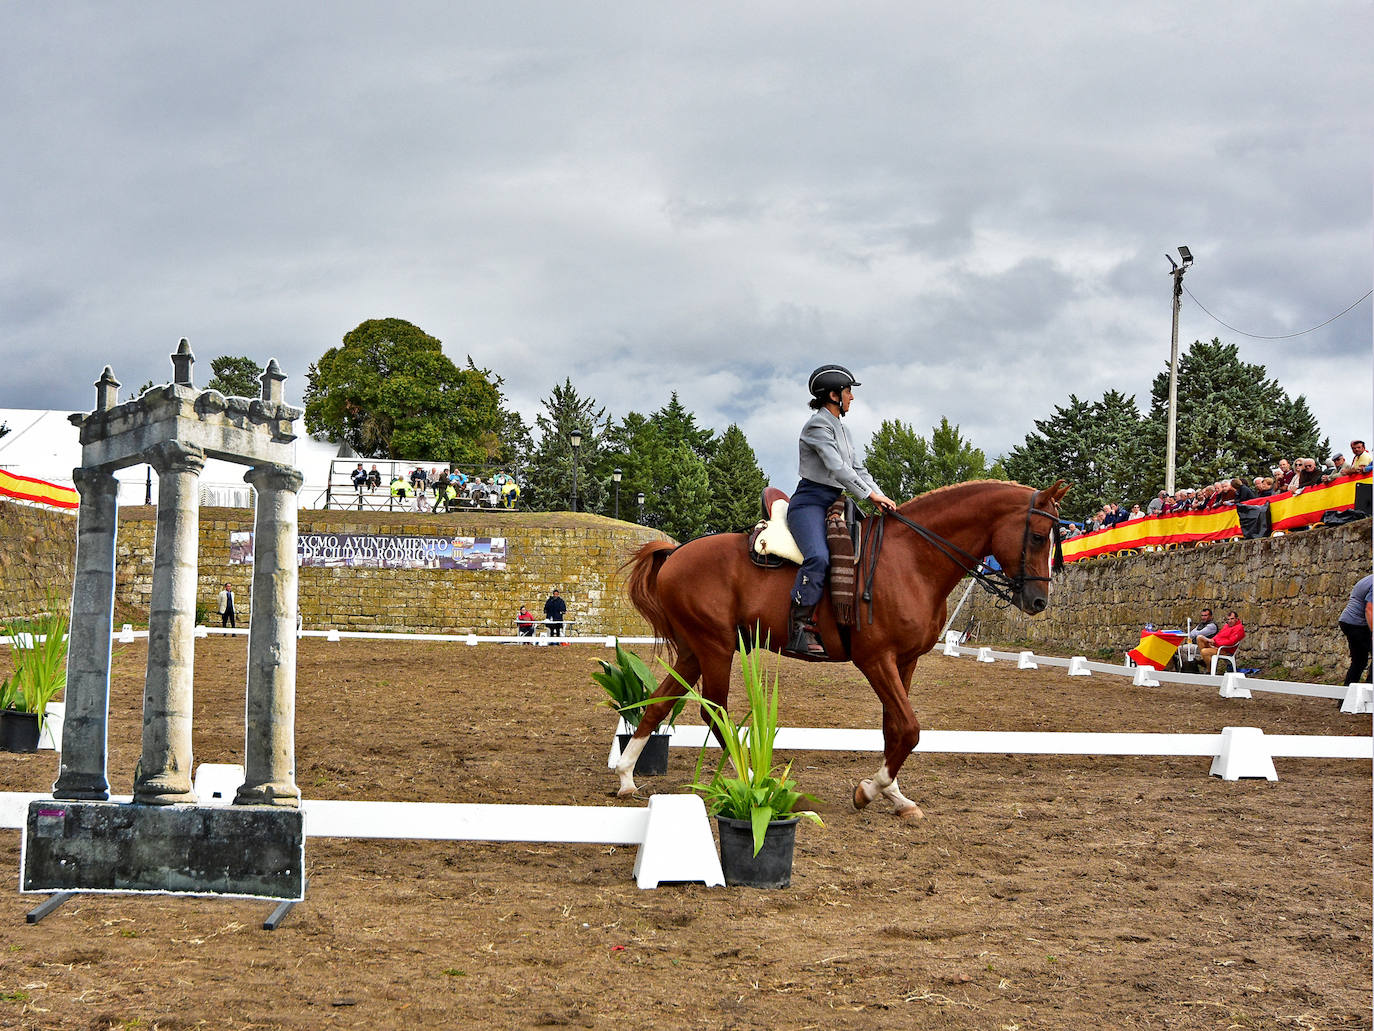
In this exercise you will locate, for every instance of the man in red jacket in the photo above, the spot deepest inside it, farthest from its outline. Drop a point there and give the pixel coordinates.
(1232, 632)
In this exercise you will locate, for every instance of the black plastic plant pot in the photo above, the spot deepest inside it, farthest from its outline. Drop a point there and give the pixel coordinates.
(772, 867)
(653, 761)
(18, 731)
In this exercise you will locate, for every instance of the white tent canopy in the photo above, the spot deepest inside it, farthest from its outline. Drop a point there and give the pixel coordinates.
(43, 444)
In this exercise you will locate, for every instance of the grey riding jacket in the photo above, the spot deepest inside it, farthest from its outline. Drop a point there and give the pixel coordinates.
(827, 456)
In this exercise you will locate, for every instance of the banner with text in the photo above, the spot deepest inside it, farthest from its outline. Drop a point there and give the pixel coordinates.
(383, 551)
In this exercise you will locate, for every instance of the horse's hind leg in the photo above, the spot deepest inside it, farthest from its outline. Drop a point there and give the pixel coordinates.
(669, 691)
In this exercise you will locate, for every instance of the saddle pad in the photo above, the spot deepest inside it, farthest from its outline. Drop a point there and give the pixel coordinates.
(775, 538)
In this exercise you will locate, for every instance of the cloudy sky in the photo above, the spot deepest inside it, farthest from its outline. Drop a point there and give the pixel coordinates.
(971, 210)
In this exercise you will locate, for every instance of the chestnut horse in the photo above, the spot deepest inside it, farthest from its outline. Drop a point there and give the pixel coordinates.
(701, 595)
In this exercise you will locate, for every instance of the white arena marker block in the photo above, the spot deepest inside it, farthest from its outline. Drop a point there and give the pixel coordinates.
(610, 642)
(333, 635)
(1143, 678)
(472, 640)
(952, 643)
(985, 655)
(1026, 660)
(126, 636)
(201, 631)
(677, 844)
(1231, 686)
(216, 784)
(1359, 698)
(1078, 666)
(1244, 754)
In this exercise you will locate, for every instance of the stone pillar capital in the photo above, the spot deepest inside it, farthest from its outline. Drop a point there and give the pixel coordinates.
(172, 456)
(268, 476)
(93, 481)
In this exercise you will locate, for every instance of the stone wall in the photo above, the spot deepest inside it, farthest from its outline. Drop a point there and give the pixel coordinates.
(1288, 591)
(37, 555)
(579, 554)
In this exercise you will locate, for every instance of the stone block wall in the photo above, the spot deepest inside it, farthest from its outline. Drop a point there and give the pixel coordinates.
(579, 554)
(37, 556)
(1288, 591)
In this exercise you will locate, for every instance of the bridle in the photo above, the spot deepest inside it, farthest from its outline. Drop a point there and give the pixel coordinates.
(994, 581)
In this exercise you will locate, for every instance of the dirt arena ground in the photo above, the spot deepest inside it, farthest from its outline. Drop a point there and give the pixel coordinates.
(1039, 893)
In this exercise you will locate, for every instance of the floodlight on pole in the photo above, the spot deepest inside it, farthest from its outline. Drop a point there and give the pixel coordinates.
(1171, 447)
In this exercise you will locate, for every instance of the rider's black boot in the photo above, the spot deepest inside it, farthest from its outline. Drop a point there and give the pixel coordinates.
(802, 639)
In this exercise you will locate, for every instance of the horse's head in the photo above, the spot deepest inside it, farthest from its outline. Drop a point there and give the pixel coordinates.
(1024, 540)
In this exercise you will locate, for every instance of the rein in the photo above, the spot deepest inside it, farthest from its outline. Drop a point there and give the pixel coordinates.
(994, 581)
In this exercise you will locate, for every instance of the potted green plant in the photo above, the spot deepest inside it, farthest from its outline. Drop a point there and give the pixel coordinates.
(629, 685)
(757, 805)
(39, 648)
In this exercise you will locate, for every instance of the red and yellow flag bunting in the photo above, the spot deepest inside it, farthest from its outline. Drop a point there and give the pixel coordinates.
(1155, 649)
(26, 488)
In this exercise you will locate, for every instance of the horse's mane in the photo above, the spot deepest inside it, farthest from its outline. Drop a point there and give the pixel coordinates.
(964, 486)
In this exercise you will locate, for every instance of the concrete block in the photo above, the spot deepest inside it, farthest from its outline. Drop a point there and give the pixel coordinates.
(241, 851)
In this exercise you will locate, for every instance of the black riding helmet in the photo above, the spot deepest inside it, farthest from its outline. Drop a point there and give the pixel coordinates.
(828, 378)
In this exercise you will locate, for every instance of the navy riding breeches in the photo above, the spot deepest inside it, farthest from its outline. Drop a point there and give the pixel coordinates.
(806, 521)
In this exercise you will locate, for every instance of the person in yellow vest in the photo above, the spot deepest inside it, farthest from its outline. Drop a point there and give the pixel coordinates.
(399, 488)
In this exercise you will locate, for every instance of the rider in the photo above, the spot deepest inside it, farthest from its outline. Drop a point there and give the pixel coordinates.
(829, 466)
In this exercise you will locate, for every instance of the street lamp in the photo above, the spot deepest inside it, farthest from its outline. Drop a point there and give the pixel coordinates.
(575, 439)
(640, 498)
(1171, 447)
(615, 478)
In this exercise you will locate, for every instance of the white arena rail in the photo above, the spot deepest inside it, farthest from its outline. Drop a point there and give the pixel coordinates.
(128, 635)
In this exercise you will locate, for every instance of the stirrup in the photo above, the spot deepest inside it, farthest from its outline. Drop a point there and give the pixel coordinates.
(803, 642)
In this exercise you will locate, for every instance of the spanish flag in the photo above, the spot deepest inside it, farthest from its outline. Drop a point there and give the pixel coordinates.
(1176, 528)
(41, 492)
(1291, 510)
(1155, 648)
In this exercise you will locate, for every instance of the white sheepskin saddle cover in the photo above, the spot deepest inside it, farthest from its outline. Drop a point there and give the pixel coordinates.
(775, 538)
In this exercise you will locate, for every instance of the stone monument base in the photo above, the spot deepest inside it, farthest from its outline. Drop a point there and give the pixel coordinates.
(238, 851)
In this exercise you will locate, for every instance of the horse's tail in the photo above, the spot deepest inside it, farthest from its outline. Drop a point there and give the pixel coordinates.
(644, 565)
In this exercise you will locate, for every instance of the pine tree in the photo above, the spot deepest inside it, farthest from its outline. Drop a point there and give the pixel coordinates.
(905, 464)
(736, 483)
(549, 475)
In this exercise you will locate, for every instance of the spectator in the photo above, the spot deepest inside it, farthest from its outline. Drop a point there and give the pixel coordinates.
(1355, 622)
(1156, 505)
(1360, 459)
(374, 478)
(1284, 476)
(226, 607)
(554, 610)
(1264, 486)
(1308, 474)
(1334, 469)
(1188, 652)
(510, 494)
(1243, 491)
(525, 621)
(1170, 503)
(1231, 634)
(398, 486)
(1136, 513)
(359, 478)
(418, 480)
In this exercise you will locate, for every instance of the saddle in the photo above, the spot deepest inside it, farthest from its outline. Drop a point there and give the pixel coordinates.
(771, 545)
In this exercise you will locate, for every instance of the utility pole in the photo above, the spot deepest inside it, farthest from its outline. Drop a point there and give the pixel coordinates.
(1172, 445)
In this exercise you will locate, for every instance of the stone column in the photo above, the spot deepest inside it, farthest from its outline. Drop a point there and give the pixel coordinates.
(81, 774)
(163, 775)
(270, 747)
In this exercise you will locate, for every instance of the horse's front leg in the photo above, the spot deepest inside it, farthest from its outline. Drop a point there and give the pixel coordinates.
(901, 732)
(669, 691)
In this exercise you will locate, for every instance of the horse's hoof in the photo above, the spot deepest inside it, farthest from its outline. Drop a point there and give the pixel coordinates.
(860, 799)
(627, 792)
(910, 814)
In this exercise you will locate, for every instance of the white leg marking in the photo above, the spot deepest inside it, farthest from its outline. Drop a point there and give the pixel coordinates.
(625, 769)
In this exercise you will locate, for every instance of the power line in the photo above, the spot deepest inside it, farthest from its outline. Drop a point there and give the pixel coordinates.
(1260, 336)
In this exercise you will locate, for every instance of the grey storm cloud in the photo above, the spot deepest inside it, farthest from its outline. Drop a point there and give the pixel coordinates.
(970, 207)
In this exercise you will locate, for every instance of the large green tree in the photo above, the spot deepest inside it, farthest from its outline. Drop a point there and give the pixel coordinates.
(1096, 445)
(905, 464)
(390, 392)
(235, 376)
(549, 475)
(1233, 419)
(736, 483)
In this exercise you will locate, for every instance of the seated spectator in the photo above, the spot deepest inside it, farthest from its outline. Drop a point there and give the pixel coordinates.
(1156, 505)
(1308, 474)
(1135, 513)
(1264, 486)
(510, 494)
(1188, 651)
(374, 478)
(359, 478)
(1242, 491)
(1360, 460)
(1284, 476)
(525, 621)
(1231, 634)
(399, 487)
(418, 480)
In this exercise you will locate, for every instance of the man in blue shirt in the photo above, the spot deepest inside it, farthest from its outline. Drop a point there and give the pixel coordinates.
(1355, 622)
